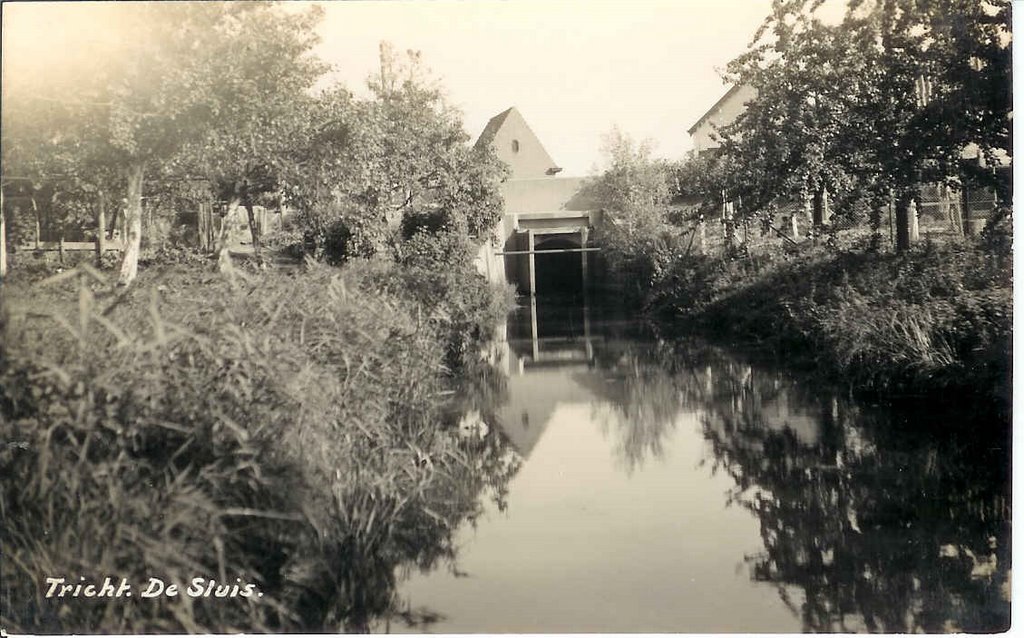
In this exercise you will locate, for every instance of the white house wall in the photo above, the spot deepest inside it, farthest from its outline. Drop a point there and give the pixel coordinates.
(705, 133)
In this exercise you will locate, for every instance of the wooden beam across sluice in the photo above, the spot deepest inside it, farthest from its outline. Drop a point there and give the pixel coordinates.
(546, 252)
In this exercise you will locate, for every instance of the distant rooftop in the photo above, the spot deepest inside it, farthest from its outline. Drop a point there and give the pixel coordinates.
(517, 145)
(717, 105)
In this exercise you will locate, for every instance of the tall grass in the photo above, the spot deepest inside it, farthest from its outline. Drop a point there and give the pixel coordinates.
(287, 431)
(896, 339)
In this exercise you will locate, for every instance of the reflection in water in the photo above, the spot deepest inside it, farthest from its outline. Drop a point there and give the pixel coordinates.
(873, 519)
(651, 470)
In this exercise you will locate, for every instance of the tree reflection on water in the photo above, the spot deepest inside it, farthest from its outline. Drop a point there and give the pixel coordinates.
(646, 401)
(873, 518)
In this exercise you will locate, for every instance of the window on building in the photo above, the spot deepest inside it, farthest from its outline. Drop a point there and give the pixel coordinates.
(515, 146)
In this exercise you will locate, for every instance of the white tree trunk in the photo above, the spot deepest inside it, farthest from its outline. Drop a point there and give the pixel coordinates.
(915, 232)
(101, 228)
(224, 264)
(3, 239)
(133, 221)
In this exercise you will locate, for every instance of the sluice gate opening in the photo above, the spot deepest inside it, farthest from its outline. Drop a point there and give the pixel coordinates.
(559, 272)
(551, 255)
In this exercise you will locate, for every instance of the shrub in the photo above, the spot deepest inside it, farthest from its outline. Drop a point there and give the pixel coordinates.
(174, 254)
(458, 301)
(443, 250)
(430, 222)
(288, 241)
(336, 242)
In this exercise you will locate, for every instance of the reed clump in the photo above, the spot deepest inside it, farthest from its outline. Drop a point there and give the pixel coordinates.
(289, 431)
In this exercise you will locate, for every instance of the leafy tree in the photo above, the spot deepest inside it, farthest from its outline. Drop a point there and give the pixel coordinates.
(794, 139)
(700, 183)
(50, 154)
(121, 107)
(173, 75)
(316, 165)
(266, 73)
(416, 161)
(398, 158)
(960, 49)
(634, 190)
(634, 185)
(885, 100)
(159, 95)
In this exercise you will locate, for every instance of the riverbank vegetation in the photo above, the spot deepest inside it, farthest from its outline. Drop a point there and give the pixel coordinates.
(292, 430)
(856, 213)
(933, 320)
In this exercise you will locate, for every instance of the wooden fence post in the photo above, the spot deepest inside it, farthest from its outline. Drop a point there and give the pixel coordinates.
(904, 213)
(946, 210)
(201, 226)
(965, 205)
(820, 212)
(101, 228)
(39, 230)
(530, 241)
(892, 237)
(728, 227)
(583, 256)
(915, 214)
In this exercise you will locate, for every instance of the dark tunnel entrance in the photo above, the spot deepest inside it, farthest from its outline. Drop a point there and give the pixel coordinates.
(559, 273)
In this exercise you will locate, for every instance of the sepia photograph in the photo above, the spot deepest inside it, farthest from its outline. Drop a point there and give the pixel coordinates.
(506, 316)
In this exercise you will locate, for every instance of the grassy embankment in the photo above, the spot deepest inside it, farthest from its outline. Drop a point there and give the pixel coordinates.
(934, 321)
(291, 430)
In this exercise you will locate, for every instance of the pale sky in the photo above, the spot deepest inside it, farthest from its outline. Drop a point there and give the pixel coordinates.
(573, 69)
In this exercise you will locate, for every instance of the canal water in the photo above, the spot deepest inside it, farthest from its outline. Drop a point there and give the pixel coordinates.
(678, 486)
